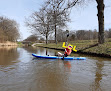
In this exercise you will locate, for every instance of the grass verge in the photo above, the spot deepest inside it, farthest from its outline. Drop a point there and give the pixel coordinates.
(84, 46)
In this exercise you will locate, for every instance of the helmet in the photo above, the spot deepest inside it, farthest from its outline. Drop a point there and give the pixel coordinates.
(69, 47)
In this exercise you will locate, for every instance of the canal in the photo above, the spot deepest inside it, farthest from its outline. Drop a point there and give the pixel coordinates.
(20, 71)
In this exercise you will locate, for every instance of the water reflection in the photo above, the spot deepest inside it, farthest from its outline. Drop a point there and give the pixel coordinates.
(8, 55)
(30, 49)
(98, 76)
(67, 65)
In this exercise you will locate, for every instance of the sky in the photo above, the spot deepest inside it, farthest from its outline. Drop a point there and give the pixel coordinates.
(82, 17)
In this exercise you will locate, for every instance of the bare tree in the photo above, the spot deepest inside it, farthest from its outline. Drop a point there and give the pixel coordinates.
(80, 34)
(86, 34)
(72, 35)
(100, 8)
(108, 33)
(95, 34)
(40, 23)
(61, 35)
(52, 16)
(32, 38)
(59, 14)
(9, 29)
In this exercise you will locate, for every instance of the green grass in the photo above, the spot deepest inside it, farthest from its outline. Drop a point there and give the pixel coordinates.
(19, 43)
(81, 44)
(101, 49)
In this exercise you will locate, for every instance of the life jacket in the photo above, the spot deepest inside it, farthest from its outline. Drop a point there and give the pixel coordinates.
(68, 51)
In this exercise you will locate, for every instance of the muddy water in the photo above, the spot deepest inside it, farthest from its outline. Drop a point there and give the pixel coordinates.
(19, 71)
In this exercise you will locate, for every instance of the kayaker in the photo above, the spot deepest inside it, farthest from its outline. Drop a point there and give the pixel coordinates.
(67, 52)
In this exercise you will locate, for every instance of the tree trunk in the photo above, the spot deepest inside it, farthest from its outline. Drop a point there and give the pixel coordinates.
(46, 39)
(55, 27)
(47, 35)
(55, 34)
(100, 15)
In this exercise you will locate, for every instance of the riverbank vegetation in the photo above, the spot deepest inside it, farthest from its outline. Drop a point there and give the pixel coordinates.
(9, 30)
(8, 43)
(88, 46)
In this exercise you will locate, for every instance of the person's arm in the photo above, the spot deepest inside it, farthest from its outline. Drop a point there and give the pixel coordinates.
(65, 50)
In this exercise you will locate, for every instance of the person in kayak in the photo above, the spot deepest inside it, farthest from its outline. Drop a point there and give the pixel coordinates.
(67, 52)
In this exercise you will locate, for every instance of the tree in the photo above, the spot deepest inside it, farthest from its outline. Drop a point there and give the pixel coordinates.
(80, 34)
(2, 35)
(41, 40)
(95, 34)
(100, 15)
(100, 8)
(9, 30)
(61, 35)
(51, 16)
(109, 33)
(40, 23)
(72, 36)
(59, 14)
(84, 35)
(32, 38)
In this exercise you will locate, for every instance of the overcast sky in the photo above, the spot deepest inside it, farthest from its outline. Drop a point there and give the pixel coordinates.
(81, 18)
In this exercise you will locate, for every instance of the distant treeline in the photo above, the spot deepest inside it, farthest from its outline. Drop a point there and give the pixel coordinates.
(73, 35)
(34, 38)
(81, 35)
(9, 30)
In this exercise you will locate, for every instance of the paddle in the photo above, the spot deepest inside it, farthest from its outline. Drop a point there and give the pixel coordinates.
(66, 40)
(67, 35)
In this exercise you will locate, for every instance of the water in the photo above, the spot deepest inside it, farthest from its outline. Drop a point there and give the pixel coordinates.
(19, 71)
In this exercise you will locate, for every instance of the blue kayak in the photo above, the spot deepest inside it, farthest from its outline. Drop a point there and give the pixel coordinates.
(56, 57)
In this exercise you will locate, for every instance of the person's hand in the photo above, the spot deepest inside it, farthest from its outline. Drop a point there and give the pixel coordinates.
(65, 50)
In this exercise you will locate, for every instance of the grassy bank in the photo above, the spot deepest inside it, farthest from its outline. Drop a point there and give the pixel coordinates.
(85, 46)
